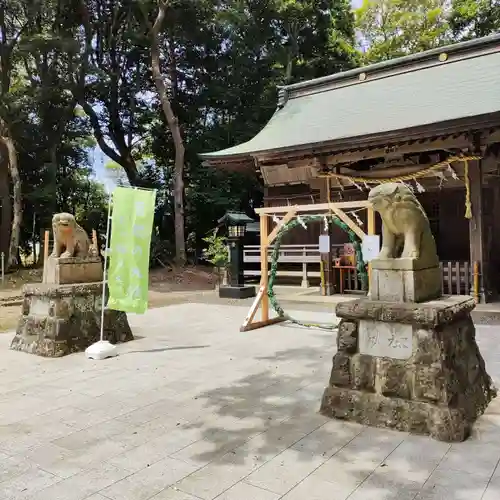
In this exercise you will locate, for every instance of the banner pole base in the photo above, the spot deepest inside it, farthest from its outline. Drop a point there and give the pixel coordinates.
(101, 350)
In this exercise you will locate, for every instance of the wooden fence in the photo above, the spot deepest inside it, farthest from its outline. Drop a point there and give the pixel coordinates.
(457, 278)
(303, 262)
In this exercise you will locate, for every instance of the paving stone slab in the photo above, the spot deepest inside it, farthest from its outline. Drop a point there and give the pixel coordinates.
(194, 409)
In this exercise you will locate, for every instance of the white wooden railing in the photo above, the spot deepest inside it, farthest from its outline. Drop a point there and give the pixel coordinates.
(457, 276)
(289, 254)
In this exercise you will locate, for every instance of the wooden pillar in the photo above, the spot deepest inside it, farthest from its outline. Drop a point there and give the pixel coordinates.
(264, 264)
(478, 251)
(327, 258)
(44, 245)
(266, 197)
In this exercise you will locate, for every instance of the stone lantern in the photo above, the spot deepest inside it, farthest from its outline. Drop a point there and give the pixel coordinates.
(235, 223)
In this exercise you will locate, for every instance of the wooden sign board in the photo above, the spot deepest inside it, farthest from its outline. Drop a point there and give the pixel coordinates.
(324, 243)
(370, 247)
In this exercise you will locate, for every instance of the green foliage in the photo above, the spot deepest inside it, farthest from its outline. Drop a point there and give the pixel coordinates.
(76, 76)
(161, 251)
(40, 57)
(229, 57)
(216, 252)
(474, 18)
(395, 28)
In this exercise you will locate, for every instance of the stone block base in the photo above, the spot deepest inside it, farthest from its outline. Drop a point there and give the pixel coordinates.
(404, 280)
(58, 320)
(412, 367)
(72, 270)
(418, 417)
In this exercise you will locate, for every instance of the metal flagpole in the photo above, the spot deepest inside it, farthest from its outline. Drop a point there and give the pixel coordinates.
(103, 349)
(105, 274)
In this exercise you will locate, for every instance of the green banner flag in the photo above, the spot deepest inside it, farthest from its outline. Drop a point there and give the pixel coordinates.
(131, 226)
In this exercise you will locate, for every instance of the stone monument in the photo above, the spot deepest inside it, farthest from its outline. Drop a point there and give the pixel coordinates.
(406, 356)
(62, 314)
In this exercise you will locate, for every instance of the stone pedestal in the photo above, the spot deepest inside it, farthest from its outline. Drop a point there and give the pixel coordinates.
(61, 319)
(64, 271)
(405, 280)
(236, 292)
(412, 367)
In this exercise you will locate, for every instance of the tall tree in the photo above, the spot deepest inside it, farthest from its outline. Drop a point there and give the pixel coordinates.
(44, 143)
(114, 92)
(154, 95)
(474, 18)
(316, 36)
(49, 53)
(394, 28)
(229, 57)
(165, 87)
(14, 19)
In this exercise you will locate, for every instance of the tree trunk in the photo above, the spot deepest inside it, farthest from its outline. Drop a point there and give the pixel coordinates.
(17, 209)
(123, 157)
(5, 200)
(292, 52)
(53, 177)
(173, 124)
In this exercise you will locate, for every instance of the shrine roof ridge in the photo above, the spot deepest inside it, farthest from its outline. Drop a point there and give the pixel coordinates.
(410, 62)
(443, 90)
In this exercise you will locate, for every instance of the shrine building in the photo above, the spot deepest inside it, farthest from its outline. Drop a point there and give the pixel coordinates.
(430, 120)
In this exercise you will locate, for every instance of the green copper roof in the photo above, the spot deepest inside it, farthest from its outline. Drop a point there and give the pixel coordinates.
(401, 94)
(235, 218)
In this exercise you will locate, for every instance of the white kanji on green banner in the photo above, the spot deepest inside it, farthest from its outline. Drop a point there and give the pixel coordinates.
(132, 223)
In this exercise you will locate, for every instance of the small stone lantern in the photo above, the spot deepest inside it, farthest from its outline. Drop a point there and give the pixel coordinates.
(235, 223)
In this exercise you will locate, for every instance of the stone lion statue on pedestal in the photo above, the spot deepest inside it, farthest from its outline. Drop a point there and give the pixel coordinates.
(406, 232)
(70, 239)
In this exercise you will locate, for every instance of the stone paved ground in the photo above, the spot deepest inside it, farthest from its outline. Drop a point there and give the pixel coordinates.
(196, 410)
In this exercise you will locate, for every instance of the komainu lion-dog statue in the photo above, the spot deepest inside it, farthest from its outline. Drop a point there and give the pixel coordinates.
(406, 232)
(70, 239)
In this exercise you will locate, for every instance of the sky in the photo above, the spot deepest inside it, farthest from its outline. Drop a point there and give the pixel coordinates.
(98, 162)
(99, 159)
